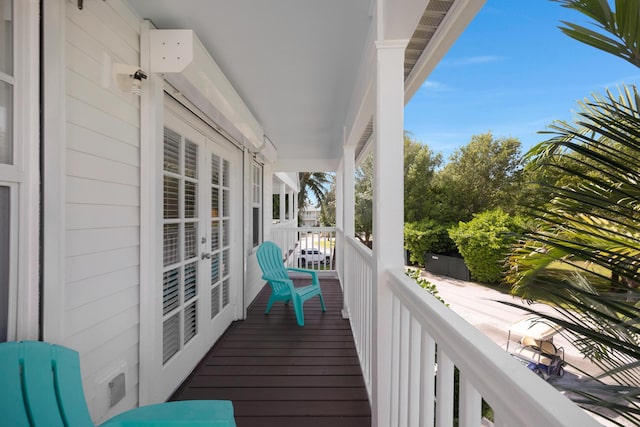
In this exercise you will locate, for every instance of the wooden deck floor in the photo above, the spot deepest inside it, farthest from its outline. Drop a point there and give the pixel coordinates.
(279, 374)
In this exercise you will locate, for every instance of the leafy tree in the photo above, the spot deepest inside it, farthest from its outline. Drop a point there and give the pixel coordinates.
(420, 164)
(482, 175)
(593, 217)
(485, 242)
(363, 208)
(328, 205)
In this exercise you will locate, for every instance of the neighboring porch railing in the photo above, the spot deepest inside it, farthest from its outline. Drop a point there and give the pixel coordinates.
(427, 341)
(307, 247)
(357, 290)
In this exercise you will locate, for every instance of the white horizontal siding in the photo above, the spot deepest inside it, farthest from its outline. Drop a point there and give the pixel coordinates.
(95, 264)
(90, 191)
(87, 141)
(99, 240)
(90, 117)
(101, 216)
(101, 169)
(253, 282)
(100, 311)
(96, 288)
(100, 24)
(102, 183)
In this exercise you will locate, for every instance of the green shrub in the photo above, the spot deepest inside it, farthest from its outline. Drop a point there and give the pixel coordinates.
(426, 236)
(424, 283)
(485, 242)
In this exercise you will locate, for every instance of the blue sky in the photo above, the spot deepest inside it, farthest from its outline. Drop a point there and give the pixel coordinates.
(512, 72)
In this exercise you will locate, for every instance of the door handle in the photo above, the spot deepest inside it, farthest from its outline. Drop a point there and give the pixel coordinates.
(205, 255)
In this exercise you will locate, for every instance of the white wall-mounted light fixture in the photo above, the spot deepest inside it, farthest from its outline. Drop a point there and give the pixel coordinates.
(128, 77)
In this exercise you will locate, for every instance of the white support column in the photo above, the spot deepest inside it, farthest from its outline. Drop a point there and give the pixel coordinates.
(54, 200)
(290, 198)
(267, 201)
(283, 203)
(388, 213)
(347, 197)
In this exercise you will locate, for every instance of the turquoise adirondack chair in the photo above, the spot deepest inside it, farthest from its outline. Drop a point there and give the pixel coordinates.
(282, 288)
(40, 385)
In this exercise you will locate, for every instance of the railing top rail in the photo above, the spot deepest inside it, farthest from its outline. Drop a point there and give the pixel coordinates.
(361, 248)
(289, 227)
(520, 394)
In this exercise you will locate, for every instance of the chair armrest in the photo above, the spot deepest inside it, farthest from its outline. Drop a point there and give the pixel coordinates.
(274, 279)
(312, 273)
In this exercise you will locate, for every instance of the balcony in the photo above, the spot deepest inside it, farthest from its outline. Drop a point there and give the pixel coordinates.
(279, 374)
(330, 371)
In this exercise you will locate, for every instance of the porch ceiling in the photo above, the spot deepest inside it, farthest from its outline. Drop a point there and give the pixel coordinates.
(294, 62)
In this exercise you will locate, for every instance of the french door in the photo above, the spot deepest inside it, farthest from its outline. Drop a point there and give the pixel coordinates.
(201, 243)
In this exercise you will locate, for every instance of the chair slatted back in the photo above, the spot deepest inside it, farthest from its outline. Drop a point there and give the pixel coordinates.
(42, 384)
(270, 260)
(11, 399)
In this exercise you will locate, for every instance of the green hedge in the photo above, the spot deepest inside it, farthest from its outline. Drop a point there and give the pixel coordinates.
(485, 242)
(427, 236)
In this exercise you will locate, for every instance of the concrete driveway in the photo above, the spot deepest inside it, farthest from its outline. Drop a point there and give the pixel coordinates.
(480, 306)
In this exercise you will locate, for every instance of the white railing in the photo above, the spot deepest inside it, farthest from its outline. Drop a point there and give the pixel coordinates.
(285, 235)
(308, 247)
(358, 286)
(428, 337)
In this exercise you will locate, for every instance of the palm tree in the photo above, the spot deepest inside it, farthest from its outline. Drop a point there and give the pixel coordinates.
(312, 183)
(593, 218)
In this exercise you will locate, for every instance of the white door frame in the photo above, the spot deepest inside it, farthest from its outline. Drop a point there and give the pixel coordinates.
(23, 176)
(151, 260)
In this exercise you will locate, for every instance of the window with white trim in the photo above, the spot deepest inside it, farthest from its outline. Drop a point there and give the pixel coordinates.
(256, 203)
(8, 170)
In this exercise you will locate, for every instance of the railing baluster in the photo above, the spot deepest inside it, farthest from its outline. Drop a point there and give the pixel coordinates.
(444, 389)
(427, 380)
(415, 368)
(403, 356)
(395, 362)
(470, 403)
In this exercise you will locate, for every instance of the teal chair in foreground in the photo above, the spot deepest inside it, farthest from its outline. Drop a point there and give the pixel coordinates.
(282, 288)
(40, 385)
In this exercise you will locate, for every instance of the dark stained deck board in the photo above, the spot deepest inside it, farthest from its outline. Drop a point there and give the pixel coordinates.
(279, 374)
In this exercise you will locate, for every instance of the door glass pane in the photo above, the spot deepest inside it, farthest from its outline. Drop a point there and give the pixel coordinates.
(215, 236)
(190, 322)
(190, 202)
(170, 337)
(225, 173)
(215, 268)
(171, 151)
(215, 301)
(171, 197)
(171, 244)
(4, 261)
(215, 170)
(190, 159)
(190, 237)
(190, 281)
(6, 36)
(6, 123)
(171, 285)
(225, 292)
(226, 240)
(215, 199)
(225, 203)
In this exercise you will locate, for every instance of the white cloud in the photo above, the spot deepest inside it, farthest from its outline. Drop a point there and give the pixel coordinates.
(432, 86)
(472, 60)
